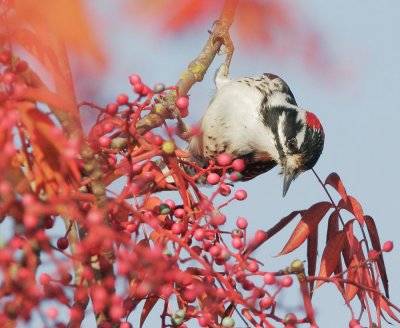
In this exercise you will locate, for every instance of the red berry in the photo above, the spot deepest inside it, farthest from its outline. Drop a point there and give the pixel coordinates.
(62, 243)
(30, 220)
(108, 127)
(213, 178)
(266, 302)
(145, 91)
(217, 218)
(252, 266)
(22, 66)
(199, 234)
(44, 278)
(240, 194)
(170, 203)
(241, 223)
(104, 141)
(238, 165)
(5, 57)
(224, 159)
(215, 250)
(287, 281)
(158, 140)
(179, 213)
(182, 103)
(269, 278)
(290, 318)
(237, 243)
(387, 246)
(177, 228)
(122, 99)
(112, 109)
(48, 222)
(373, 254)
(138, 88)
(354, 323)
(224, 190)
(134, 79)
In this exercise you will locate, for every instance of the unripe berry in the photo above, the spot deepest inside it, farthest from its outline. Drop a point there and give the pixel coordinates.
(224, 159)
(240, 194)
(164, 209)
(182, 103)
(237, 233)
(168, 147)
(387, 246)
(228, 322)
(235, 176)
(159, 87)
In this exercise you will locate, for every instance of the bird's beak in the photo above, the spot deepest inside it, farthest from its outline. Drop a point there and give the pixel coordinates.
(288, 176)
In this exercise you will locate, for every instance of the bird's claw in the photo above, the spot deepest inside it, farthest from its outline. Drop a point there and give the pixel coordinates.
(221, 34)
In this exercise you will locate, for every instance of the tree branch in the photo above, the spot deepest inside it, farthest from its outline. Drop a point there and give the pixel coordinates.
(196, 69)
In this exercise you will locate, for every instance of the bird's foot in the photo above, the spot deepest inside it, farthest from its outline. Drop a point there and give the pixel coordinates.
(221, 34)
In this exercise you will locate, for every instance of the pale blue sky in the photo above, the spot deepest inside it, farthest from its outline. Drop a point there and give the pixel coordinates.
(359, 110)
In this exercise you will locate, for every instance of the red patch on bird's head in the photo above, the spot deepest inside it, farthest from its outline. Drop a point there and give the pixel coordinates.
(313, 121)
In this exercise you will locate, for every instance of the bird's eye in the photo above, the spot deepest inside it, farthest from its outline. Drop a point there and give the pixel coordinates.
(292, 144)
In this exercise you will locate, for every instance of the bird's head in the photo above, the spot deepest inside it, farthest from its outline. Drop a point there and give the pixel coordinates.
(299, 140)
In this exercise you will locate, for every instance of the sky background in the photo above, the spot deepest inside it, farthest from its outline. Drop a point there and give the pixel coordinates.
(354, 91)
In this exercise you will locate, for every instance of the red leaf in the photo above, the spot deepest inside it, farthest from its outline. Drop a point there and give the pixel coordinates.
(333, 228)
(334, 181)
(354, 207)
(376, 244)
(352, 242)
(312, 252)
(386, 307)
(148, 305)
(331, 255)
(282, 223)
(308, 223)
(352, 275)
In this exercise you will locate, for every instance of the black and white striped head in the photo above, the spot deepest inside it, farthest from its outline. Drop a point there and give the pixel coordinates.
(299, 140)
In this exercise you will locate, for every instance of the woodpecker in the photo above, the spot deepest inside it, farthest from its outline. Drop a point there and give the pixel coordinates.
(257, 120)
